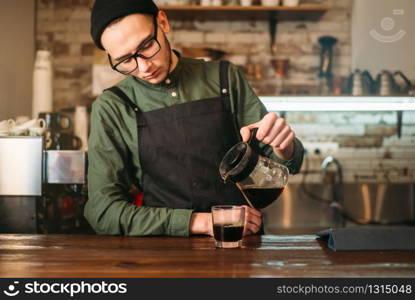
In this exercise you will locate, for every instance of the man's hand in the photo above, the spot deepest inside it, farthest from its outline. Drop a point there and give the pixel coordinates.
(201, 223)
(274, 131)
(253, 220)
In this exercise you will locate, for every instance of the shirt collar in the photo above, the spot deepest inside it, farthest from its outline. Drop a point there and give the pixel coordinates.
(171, 79)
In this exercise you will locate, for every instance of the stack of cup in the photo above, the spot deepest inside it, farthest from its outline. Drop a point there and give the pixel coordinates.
(5, 127)
(34, 127)
(57, 138)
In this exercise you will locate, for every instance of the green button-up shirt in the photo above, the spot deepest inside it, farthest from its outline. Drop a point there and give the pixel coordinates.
(113, 152)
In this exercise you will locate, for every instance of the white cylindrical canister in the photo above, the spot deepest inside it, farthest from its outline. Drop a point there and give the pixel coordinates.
(42, 84)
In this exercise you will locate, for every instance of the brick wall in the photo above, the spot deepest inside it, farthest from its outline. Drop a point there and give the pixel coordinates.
(63, 28)
(248, 42)
(365, 143)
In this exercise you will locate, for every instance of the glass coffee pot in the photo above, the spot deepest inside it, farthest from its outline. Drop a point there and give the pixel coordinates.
(260, 179)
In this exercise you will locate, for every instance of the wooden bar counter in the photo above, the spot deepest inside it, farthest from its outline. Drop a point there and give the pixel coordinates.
(260, 256)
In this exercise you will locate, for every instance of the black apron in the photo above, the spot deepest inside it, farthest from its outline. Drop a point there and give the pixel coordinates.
(181, 147)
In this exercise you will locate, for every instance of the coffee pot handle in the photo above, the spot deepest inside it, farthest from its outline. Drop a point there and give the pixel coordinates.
(253, 136)
(253, 142)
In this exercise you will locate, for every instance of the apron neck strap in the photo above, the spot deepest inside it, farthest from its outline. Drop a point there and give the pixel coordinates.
(117, 91)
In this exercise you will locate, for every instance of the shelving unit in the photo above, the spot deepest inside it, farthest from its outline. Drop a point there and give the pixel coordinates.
(309, 12)
(273, 14)
(321, 103)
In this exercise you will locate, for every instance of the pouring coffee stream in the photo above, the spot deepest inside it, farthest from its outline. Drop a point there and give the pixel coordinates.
(253, 134)
(260, 179)
(243, 194)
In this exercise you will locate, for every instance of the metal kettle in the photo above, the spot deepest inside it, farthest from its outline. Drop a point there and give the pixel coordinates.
(388, 83)
(360, 83)
(402, 83)
(385, 84)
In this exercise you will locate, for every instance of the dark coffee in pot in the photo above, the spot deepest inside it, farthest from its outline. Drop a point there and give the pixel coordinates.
(261, 198)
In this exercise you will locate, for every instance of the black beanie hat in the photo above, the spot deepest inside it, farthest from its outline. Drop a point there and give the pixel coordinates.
(106, 11)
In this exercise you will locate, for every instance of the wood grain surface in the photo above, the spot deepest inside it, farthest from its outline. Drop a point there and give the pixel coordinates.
(260, 256)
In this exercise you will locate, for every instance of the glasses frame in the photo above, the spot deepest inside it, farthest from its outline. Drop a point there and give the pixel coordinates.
(137, 54)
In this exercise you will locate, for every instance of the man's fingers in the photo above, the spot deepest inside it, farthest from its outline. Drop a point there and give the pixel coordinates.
(268, 128)
(281, 137)
(246, 131)
(251, 228)
(288, 141)
(253, 211)
(245, 134)
(253, 220)
(267, 123)
(276, 129)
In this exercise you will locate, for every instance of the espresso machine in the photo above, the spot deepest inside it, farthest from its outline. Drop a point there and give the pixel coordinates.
(41, 191)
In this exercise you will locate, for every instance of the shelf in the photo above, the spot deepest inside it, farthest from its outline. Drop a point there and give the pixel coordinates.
(309, 12)
(244, 8)
(292, 103)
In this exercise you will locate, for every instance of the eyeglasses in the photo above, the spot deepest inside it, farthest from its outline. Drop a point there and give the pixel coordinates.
(148, 50)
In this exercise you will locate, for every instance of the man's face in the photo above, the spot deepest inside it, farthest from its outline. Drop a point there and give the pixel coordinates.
(123, 38)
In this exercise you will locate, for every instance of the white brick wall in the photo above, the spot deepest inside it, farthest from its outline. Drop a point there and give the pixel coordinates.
(188, 37)
(305, 130)
(389, 159)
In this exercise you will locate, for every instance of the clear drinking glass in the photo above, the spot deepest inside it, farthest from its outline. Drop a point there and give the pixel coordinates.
(228, 225)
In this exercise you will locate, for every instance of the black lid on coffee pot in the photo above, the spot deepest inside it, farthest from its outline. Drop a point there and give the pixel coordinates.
(238, 163)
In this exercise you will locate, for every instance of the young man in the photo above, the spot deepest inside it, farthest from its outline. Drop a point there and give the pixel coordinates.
(166, 127)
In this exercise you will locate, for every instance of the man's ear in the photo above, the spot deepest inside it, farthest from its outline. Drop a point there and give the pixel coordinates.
(163, 21)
